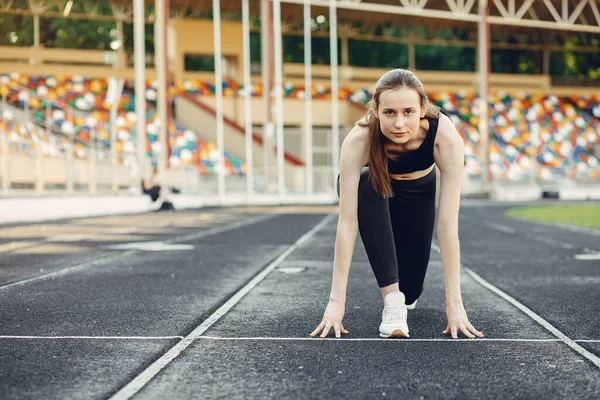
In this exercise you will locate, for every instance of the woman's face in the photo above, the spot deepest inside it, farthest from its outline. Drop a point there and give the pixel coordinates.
(399, 114)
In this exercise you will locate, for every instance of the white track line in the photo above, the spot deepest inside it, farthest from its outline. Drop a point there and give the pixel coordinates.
(221, 229)
(66, 270)
(95, 337)
(142, 379)
(579, 229)
(103, 259)
(498, 227)
(569, 342)
(308, 339)
(512, 231)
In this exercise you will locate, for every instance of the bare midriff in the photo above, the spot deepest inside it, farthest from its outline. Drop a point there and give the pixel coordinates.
(412, 175)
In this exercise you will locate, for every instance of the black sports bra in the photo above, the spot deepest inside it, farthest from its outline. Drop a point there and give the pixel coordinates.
(419, 159)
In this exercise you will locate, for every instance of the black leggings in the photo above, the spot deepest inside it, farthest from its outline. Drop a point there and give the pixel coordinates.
(397, 232)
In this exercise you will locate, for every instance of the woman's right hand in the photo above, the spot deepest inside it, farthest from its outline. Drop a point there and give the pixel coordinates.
(334, 313)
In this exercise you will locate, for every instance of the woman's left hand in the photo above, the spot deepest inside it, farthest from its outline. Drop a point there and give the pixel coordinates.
(457, 320)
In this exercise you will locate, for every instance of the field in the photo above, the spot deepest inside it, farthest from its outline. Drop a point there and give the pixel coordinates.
(582, 215)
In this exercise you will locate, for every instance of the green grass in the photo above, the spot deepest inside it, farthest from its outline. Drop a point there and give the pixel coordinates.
(582, 215)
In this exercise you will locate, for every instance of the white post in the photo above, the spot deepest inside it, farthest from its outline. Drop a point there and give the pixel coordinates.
(36, 33)
(219, 94)
(267, 71)
(139, 62)
(279, 96)
(49, 124)
(546, 66)
(69, 154)
(4, 145)
(26, 105)
(335, 124)
(483, 53)
(113, 97)
(113, 150)
(120, 53)
(247, 100)
(161, 74)
(412, 64)
(39, 181)
(5, 159)
(93, 157)
(308, 99)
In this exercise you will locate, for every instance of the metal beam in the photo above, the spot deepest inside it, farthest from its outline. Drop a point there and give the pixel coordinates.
(279, 134)
(595, 11)
(502, 9)
(552, 10)
(335, 117)
(219, 99)
(577, 11)
(139, 63)
(388, 9)
(308, 131)
(247, 99)
(545, 24)
(456, 14)
(524, 9)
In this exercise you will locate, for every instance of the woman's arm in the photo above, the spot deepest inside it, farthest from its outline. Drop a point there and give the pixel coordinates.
(352, 158)
(449, 157)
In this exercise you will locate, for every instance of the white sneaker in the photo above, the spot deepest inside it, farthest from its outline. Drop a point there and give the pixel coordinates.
(393, 318)
(412, 306)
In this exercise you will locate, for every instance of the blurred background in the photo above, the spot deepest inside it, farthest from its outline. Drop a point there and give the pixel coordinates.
(247, 102)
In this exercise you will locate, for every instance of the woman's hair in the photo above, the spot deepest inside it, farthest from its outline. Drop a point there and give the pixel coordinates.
(378, 157)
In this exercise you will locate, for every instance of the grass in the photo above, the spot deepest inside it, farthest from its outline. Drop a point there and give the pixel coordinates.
(587, 215)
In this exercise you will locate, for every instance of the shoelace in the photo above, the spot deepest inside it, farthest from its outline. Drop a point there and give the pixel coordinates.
(394, 313)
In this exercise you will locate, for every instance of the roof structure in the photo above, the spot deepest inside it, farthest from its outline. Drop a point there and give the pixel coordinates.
(524, 15)
(534, 22)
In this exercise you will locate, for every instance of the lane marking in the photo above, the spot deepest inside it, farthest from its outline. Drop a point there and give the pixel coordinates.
(150, 246)
(264, 338)
(549, 241)
(308, 339)
(579, 229)
(564, 338)
(512, 231)
(109, 257)
(588, 256)
(498, 227)
(221, 229)
(17, 245)
(143, 378)
(291, 270)
(66, 270)
(95, 337)
(309, 263)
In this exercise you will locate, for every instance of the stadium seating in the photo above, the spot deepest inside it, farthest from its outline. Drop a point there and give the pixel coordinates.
(77, 106)
(532, 137)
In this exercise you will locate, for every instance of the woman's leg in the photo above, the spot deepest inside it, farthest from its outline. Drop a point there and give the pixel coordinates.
(374, 224)
(412, 211)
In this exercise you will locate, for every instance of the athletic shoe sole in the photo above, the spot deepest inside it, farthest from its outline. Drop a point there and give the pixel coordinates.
(412, 306)
(397, 333)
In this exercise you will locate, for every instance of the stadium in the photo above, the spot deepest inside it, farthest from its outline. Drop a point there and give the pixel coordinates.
(64, 130)
(233, 114)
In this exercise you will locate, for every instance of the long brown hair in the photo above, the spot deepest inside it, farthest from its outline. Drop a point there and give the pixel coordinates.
(378, 157)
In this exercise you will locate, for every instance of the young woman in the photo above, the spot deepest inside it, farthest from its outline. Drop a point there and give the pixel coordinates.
(391, 201)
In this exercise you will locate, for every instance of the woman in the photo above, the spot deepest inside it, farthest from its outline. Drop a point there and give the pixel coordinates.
(392, 203)
(150, 186)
